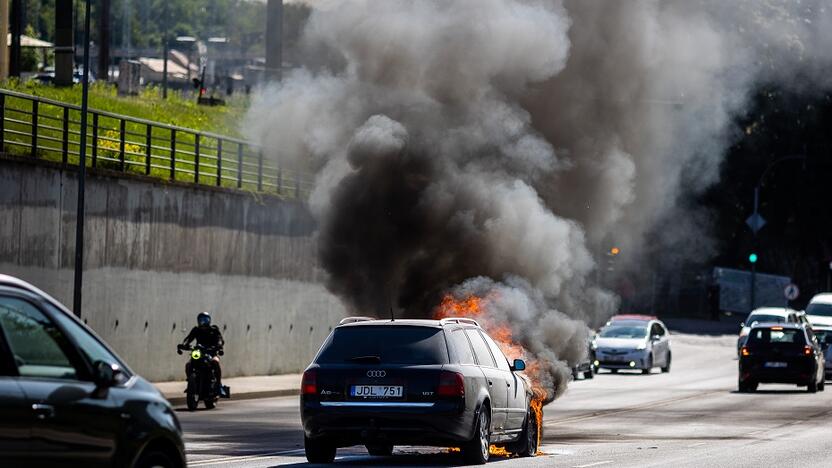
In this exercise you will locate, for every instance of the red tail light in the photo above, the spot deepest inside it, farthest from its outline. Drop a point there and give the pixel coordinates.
(744, 351)
(451, 384)
(309, 384)
(808, 350)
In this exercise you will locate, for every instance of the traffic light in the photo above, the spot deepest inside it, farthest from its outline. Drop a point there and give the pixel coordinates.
(615, 251)
(752, 257)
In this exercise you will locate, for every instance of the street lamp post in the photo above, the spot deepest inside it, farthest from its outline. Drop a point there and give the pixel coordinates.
(82, 166)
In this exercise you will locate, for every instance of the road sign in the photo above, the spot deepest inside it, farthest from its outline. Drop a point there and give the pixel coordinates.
(791, 292)
(755, 222)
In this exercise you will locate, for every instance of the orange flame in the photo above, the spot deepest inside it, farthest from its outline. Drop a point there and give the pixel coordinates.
(473, 307)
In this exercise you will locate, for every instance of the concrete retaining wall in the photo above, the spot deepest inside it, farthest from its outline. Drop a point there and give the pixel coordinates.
(156, 254)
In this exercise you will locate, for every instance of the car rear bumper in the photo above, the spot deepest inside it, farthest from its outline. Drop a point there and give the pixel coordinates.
(799, 375)
(352, 423)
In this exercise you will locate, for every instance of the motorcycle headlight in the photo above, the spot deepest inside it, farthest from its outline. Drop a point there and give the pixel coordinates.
(196, 354)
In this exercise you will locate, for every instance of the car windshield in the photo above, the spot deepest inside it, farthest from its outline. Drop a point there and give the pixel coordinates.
(385, 344)
(765, 336)
(760, 318)
(624, 331)
(824, 310)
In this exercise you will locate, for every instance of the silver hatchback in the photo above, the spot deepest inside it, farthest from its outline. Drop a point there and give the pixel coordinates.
(633, 342)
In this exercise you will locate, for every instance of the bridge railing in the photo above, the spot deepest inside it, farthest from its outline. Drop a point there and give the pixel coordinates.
(51, 130)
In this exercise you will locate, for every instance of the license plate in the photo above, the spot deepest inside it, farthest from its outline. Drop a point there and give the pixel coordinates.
(775, 364)
(376, 391)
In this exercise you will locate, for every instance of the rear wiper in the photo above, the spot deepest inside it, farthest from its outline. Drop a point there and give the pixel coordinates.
(373, 359)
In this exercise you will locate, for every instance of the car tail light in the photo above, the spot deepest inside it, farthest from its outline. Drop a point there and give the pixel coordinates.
(808, 350)
(309, 384)
(451, 384)
(744, 351)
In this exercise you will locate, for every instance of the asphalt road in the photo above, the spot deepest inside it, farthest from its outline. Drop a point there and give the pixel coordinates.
(689, 417)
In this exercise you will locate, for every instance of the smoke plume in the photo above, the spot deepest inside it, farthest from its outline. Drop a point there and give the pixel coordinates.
(498, 146)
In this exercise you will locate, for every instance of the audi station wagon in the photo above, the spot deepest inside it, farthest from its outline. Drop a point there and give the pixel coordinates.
(446, 383)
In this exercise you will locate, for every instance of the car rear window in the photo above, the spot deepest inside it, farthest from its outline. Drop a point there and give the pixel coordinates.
(759, 318)
(385, 344)
(765, 336)
(824, 310)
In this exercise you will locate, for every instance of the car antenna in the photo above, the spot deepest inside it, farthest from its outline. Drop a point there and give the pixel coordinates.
(392, 315)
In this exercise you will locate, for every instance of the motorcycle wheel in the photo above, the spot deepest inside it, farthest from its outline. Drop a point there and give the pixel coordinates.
(192, 400)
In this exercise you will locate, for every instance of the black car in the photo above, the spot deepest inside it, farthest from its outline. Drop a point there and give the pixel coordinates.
(67, 400)
(781, 353)
(442, 383)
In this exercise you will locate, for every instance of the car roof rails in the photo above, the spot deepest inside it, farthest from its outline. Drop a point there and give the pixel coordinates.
(460, 320)
(355, 319)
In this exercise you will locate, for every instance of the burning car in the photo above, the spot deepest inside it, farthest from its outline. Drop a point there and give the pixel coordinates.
(444, 382)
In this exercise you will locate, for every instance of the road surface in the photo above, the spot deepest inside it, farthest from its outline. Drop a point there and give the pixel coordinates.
(692, 416)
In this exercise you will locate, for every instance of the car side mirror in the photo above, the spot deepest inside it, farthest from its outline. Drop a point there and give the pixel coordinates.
(655, 338)
(742, 324)
(518, 365)
(106, 375)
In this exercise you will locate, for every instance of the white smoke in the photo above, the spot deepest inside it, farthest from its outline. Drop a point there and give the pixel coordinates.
(507, 140)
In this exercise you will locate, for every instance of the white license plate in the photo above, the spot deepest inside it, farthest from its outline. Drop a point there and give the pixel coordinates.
(775, 364)
(377, 391)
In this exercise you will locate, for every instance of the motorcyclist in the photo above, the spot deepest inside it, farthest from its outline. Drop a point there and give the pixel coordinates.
(208, 336)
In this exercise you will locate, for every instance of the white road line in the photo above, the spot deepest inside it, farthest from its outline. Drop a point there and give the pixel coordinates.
(696, 445)
(605, 462)
(215, 461)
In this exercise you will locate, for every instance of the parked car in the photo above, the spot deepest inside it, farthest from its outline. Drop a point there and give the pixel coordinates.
(824, 337)
(781, 353)
(67, 399)
(587, 367)
(445, 383)
(637, 342)
(819, 310)
(766, 314)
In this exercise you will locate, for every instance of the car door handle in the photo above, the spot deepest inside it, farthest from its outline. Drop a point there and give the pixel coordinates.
(508, 384)
(43, 411)
(490, 383)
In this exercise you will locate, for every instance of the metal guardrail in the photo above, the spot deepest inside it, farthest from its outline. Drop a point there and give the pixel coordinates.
(48, 129)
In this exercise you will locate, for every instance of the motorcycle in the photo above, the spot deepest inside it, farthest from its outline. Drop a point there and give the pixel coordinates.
(202, 379)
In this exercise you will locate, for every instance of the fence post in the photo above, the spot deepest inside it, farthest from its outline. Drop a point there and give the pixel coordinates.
(121, 129)
(34, 128)
(260, 171)
(65, 138)
(2, 122)
(148, 142)
(219, 162)
(94, 139)
(279, 177)
(173, 154)
(239, 165)
(196, 158)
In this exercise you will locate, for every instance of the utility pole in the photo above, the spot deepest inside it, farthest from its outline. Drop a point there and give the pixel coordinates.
(4, 31)
(64, 48)
(82, 168)
(103, 39)
(274, 39)
(17, 30)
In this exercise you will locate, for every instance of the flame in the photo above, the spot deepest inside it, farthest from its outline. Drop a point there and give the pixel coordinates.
(473, 307)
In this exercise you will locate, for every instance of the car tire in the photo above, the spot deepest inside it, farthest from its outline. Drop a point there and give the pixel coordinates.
(382, 449)
(821, 385)
(812, 387)
(666, 367)
(155, 459)
(476, 451)
(210, 404)
(192, 400)
(747, 387)
(318, 450)
(589, 374)
(649, 366)
(526, 445)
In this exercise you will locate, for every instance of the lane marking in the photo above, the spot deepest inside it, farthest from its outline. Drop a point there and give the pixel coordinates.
(215, 461)
(649, 405)
(696, 445)
(605, 462)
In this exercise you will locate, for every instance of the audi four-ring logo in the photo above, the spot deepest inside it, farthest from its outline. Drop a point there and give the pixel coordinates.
(376, 373)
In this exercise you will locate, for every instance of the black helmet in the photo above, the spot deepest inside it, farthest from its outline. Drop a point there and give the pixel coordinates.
(203, 319)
